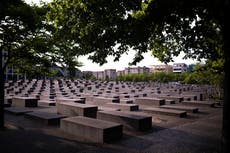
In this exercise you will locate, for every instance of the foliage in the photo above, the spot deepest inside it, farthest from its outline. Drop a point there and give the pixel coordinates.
(28, 39)
(164, 27)
(156, 77)
(208, 74)
(23, 39)
(27, 42)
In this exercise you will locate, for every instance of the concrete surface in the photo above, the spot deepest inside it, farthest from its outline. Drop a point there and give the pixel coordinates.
(198, 133)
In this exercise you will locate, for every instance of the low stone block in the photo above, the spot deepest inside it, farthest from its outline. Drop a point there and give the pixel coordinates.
(199, 103)
(46, 103)
(45, 117)
(123, 107)
(181, 107)
(24, 102)
(150, 101)
(177, 99)
(163, 111)
(92, 130)
(126, 101)
(77, 109)
(129, 120)
(17, 110)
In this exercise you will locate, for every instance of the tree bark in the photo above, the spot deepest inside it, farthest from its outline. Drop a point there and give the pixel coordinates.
(2, 80)
(226, 112)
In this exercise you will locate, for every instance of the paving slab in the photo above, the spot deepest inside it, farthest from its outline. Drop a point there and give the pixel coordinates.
(181, 107)
(17, 110)
(149, 101)
(46, 103)
(130, 121)
(164, 111)
(93, 130)
(123, 107)
(199, 103)
(45, 117)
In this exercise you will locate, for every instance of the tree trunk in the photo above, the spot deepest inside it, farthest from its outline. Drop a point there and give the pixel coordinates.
(226, 112)
(226, 127)
(2, 80)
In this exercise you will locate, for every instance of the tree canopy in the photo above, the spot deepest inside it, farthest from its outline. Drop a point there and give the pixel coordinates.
(30, 43)
(165, 27)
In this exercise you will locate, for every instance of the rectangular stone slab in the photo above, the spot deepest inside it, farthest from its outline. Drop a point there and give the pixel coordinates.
(199, 103)
(24, 102)
(150, 101)
(169, 101)
(181, 107)
(126, 101)
(177, 99)
(45, 117)
(92, 130)
(46, 103)
(165, 111)
(17, 110)
(104, 108)
(76, 100)
(77, 109)
(123, 107)
(129, 120)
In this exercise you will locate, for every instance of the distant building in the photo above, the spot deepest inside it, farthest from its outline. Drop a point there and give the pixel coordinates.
(161, 68)
(87, 74)
(137, 70)
(10, 71)
(110, 74)
(179, 67)
(99, 74)
(120, 72)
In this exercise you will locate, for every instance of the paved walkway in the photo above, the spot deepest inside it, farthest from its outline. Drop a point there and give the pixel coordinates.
(198, 133)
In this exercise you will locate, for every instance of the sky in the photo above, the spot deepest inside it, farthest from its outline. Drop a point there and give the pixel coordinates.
(125, 59)
(148, 60)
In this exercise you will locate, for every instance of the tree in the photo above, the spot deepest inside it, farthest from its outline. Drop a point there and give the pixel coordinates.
(166, 27)
(15, 28)
(24, 41)
(66, 54)
(30, 42)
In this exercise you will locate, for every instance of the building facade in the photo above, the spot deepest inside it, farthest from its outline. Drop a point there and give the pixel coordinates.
(179, 67)
(137, 70)
(120, 72)
(110, 74)
(99, 74)
(10, 72)
(162, 68)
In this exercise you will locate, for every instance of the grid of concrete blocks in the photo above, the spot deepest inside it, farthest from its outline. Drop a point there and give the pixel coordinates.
(101, 111)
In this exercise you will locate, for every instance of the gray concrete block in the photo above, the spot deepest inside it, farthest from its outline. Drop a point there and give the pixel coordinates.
(17, 110)
(46, 103)
(45, 117)
(199, 103)
(123, 107)
(129, 120)
(150, 101)
(77, 109)
(181, 107)
(24, 102)
(92, 130)
(163, 111)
